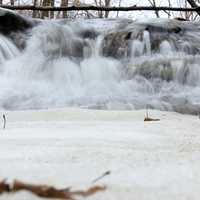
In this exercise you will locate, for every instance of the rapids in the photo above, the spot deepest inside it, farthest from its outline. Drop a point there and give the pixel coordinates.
(102, 64)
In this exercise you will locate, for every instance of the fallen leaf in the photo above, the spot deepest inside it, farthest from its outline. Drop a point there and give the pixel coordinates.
(90, 191)
(148, 119)
(4, 187)
(45, 191)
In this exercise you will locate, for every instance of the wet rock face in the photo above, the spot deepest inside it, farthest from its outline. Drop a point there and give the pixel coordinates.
(20, 29)
(116, 45)
(15, 27)
(9, 22)
(88, 34)
(118, 39)
(179, 34)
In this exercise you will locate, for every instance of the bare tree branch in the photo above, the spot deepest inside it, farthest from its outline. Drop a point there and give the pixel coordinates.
(193, 5)
(153, 4)
(98, 8)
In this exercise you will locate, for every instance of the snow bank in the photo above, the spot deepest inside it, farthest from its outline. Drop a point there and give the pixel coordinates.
(71, 147)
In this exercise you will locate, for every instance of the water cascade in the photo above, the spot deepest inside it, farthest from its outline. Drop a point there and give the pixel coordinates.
(102, 64)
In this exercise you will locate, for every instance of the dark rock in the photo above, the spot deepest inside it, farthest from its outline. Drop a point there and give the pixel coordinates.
(89, 34)
(15, 26)
(117, 44)
(180, 19)
(11, 22)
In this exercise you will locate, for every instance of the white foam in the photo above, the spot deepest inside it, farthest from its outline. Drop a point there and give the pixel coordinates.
(43, 76)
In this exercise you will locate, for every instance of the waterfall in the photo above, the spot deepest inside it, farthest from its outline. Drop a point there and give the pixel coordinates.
(7, 49)
(124, 66)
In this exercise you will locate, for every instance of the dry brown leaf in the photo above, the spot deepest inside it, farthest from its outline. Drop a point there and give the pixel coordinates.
(45, 191)
(42, 190)
(4, 187)
(90, 191)
(53, 193)
(148, 119)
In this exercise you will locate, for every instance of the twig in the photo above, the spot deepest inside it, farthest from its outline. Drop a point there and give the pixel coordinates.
(147, 118)
(102, 176)
(147, 112)
(4, 121)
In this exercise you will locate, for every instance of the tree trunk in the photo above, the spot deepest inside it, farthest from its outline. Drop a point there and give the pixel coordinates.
(46, 3)
(107, 4)
(100, 12)
(35, 12)
(119, 5)
(64, 3)
(12, 2)
(52, 12)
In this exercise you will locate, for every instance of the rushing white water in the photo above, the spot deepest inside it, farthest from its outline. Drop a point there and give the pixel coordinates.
(52, 71)
(7, 49)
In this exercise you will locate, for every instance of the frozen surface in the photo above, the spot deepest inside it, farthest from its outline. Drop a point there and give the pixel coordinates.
(71, 147)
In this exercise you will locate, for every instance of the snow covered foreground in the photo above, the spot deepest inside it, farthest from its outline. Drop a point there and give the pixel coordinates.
(71, 147)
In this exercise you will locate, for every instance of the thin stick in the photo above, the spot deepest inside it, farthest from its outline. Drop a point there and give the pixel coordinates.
(147, 112)
(102, 176)
(4, 121)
